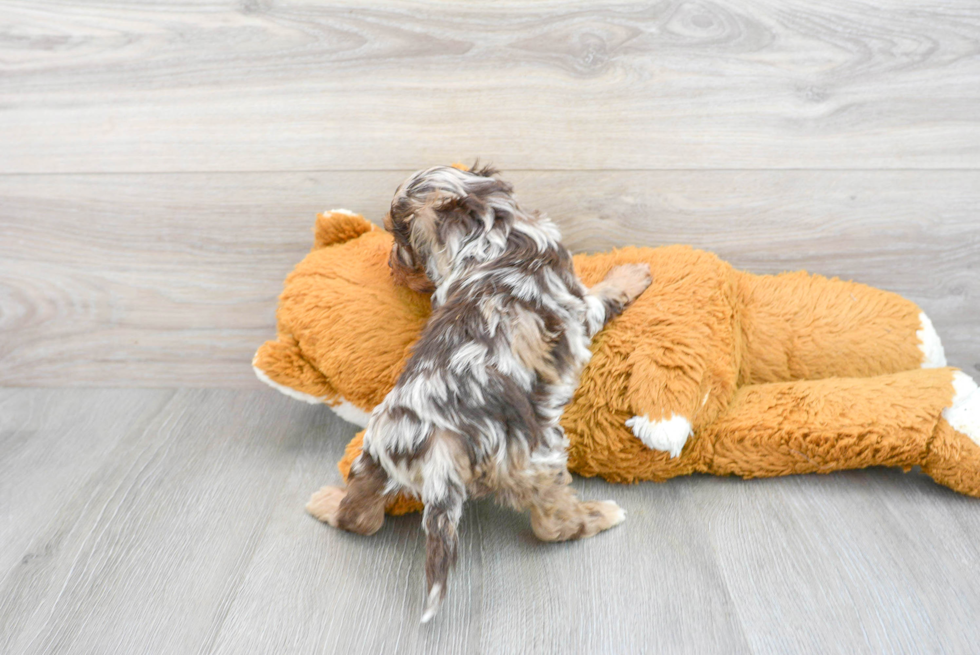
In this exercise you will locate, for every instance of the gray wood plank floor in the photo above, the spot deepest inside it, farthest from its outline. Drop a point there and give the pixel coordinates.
(160, 167)
(156, 521)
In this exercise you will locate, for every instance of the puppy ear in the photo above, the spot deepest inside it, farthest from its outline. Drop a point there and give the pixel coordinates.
(409, 274)
(442, 211)
(449, 206)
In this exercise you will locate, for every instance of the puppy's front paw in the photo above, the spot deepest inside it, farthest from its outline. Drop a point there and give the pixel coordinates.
(324, 505)
(630, 280)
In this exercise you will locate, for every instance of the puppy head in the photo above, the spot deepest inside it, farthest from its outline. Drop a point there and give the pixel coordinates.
(437, 211)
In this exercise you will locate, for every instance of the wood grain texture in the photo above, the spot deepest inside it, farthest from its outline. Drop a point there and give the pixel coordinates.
(139, 86)
(147, 548)
(172, 280)
(179, 528)
(41, 475)
(796, 575)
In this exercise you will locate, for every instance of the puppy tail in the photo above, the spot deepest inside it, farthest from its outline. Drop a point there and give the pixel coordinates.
(443, 496)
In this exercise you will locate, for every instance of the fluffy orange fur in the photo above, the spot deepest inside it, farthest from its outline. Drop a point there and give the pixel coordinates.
(793, 373)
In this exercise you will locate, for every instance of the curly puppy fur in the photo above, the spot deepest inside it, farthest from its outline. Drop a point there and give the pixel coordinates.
(476, 410)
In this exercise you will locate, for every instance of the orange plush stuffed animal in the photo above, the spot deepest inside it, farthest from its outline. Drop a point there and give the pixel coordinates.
(711, 370)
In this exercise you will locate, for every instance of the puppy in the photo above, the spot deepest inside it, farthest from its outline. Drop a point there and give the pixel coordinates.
(476, 411)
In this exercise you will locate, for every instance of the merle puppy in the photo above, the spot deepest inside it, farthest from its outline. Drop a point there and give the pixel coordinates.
(476, 410)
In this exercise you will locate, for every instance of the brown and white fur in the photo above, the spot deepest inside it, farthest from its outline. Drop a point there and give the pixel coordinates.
(476, 410)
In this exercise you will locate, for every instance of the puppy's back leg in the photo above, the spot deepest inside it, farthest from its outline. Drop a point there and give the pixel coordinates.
(557, 513)
(360, 507)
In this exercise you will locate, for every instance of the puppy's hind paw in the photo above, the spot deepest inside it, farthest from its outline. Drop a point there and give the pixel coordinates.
(616, 513)
(324, 505)
(603, 514)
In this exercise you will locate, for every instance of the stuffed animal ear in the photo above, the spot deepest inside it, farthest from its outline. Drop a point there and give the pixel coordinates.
(337, 226)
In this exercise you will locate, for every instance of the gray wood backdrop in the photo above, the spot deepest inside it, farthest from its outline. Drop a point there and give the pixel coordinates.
(160, 168)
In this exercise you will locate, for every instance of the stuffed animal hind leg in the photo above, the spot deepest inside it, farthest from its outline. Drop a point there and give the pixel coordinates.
(928, 418)
(727, 329)
(798, 326)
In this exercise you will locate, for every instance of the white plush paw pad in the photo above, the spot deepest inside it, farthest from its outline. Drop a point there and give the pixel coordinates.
(933, 355)
(964, 414)
(345, 212)
(669, 434)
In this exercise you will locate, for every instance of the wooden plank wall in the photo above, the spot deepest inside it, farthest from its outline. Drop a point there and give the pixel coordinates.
(161, 164)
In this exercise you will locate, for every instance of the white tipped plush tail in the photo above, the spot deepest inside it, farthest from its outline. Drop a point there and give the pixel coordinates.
(964, 414)
(933, 355)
